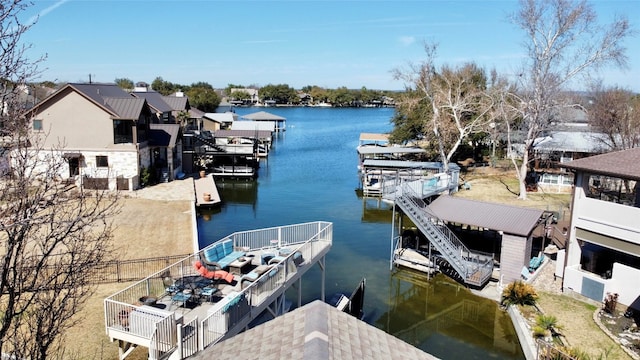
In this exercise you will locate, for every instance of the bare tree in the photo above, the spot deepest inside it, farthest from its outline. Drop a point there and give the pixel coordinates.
(452, 102)
(615, 112)
(52, 236)
(563, 41)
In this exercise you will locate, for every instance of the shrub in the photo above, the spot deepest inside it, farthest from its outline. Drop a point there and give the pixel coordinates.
(519, 293)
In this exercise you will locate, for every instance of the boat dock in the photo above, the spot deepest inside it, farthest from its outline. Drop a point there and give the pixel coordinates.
(206, 192)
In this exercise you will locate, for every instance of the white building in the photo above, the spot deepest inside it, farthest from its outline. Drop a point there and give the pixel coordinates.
(603, 254)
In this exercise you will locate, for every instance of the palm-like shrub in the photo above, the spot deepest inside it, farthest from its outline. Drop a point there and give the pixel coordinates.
(519, 293)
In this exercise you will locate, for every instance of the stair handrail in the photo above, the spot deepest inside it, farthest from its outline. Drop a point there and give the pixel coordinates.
(208, 142)
(464, 261)
(459, 251)
(435, 220)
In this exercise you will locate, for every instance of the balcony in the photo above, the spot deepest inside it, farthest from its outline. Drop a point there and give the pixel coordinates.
(176, 312)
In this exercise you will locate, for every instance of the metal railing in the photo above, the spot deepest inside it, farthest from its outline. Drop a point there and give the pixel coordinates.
(475, 268)
(158, 329)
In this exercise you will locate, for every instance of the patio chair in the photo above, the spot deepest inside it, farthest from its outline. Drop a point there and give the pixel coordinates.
(213, 274)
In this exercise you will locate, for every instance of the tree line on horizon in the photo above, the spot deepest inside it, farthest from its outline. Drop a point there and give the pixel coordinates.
(54, 240)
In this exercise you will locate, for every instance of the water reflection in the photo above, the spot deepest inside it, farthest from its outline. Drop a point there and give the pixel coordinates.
(312, 175)
(446, 319)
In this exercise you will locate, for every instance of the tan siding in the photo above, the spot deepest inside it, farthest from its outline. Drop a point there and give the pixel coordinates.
(513, 257)
(76, 123)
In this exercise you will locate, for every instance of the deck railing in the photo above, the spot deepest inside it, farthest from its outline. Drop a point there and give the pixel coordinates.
(253, 297)
(157, 329)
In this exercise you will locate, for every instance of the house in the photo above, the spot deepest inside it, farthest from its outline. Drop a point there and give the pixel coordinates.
(217, 121)
(603, 252)
(106, 135)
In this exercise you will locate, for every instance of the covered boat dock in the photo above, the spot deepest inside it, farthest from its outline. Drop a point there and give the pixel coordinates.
(440, 224)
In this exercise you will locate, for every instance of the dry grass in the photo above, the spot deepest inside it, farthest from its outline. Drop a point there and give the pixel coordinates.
(145, 228)
(501, 186)
(578, 327)
(149, 228)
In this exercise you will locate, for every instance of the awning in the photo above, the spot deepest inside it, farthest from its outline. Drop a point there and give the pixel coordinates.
(71, 155)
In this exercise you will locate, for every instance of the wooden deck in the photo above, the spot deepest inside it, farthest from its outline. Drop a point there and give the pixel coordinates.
(206, 185)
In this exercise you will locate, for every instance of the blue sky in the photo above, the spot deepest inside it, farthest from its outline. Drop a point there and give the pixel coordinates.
(299, 43)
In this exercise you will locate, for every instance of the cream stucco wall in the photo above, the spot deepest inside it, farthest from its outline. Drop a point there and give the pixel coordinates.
(77, 123)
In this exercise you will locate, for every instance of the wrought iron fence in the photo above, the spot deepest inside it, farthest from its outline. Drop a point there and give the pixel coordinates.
(125, 270)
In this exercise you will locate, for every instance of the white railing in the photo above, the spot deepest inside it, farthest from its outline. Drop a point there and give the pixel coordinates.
(127, 319)
(255, 295)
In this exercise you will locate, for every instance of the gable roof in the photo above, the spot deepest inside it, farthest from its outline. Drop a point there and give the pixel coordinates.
(126, 108)
(155, 100)
(509, 219)
(624, 164)
(571, 141)
(225, 117)
(313, 331)
(195, 113)
(110, 97)
(177, 103)
(164, 135)
(262, 116)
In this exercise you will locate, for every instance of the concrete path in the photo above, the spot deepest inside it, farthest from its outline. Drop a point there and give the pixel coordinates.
(176, 190)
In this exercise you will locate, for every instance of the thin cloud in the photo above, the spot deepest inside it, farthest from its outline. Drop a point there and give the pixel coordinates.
(406, 40)
(46, 11)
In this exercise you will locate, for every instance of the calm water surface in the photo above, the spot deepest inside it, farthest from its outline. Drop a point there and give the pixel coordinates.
(310, 175)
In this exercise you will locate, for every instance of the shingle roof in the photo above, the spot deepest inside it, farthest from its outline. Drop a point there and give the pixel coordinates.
(314, 331)
(623, 164)
(510, 219)
(155, 100)
(163, 134)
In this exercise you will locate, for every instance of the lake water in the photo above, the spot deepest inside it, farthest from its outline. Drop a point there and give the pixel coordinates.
(311, 174)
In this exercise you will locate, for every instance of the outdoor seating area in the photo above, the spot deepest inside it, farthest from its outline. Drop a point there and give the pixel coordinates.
(208, 300)
(220, 255)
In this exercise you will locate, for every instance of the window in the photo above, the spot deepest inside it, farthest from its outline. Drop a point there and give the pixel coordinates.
(37, 124)
(122, 131)
(102, 161)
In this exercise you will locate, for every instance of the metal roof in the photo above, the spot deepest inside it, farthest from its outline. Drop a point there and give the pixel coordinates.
(126, 108)
(155, 100)
(571, 141)
(407, 164)
(254, 125)
(509, 219)
(316, 331)
(263, 115)
(622, 164)
(177, 103)
(164, 135)
(252, 134)
(98, 93)
(225, 117)
(373, 137)
(364, 150)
